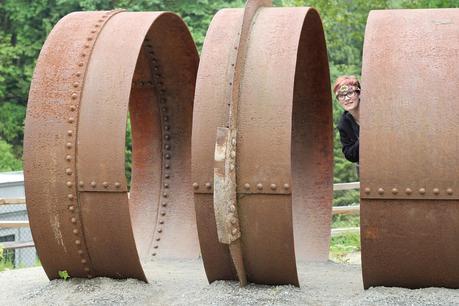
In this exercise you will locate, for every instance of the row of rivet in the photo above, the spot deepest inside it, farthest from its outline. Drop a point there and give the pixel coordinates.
(143, 84)
(160, 90)
(247, 186)
(409, 191)
(75, 95)
(106, 185)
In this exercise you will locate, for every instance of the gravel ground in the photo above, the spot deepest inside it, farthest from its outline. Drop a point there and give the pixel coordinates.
(184, 283)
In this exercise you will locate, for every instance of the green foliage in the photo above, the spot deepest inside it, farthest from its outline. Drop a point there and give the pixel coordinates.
(8, 162)
(63, 274)
(344, 244)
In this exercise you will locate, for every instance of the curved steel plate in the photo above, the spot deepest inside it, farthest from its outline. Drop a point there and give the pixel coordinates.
(92, 67)
(284, 142)
(409, 149)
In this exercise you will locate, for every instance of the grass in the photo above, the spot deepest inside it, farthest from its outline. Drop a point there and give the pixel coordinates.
(342, 245)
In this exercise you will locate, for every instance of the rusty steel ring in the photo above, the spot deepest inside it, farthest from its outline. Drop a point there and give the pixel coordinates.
(262, 144)
(93, 66)
(410, 149)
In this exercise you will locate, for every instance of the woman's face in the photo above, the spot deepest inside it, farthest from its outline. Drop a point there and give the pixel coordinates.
(349, 97)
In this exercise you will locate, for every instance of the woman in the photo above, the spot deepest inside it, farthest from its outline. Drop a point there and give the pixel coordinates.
(347, 92)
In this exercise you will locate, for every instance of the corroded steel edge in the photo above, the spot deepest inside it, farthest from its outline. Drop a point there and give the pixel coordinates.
(133, 269)
(409, 183)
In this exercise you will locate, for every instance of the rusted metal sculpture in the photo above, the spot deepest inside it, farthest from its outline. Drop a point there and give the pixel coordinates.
(262, 144)
(91, 68)
(410, 149)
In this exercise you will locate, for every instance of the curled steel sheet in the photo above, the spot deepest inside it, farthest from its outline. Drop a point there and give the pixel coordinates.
(92, 68)
(262, 144)
(410, 149)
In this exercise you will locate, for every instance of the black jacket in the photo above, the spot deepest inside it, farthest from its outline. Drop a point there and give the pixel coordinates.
(349, 132)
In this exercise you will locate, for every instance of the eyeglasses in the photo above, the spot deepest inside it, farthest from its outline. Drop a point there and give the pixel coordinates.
(349, 94)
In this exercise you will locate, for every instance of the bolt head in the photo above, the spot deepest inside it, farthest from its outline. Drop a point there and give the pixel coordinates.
(105, 184)
(208, 185)
(259, 186)
(117, 185)
(436, 191)
(422, 191)
(93, 184)
(394, 190)
(195, 185)
(247, 186)
(449, 191)
(273, 186)
(381, 191)
(408, 191)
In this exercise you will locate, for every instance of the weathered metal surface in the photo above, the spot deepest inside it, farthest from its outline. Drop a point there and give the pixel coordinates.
(409, 149)
(92, 67)
(264, 72)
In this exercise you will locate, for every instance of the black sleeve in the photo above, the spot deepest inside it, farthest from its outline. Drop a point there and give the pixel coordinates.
(350, 144)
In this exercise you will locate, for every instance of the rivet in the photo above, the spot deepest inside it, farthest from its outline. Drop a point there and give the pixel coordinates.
(164, 204)
(166, 185)
(449, 191)
(163, 213)
(71, 208)
(286, 186)
(87, 45)
(74, 95)
(166, 127)
(69, 132)
(93, 31)
(100, 20)
(232, 208)
(105, 184)
(77, 242)
(208, 185)
(75, 231)
(259, 186)
(76, 84)
(381, 191)
(69, 184)
(71, 120)
(230, 83)
(167, 137)
(273, 186)
(70, 196)
(156, 68)
(93, 184)
(68, 171)
(83, 261)
(436, 191)
(80, 252)
(167, 156)
(87, 270)
(83, 54)
(233, 220)
(89, 38)
(233, 154)
(234, 231)
(167, 175)
(394, 190)
(96, 25)
(247, 186)
(408, 191)
(167, 147)
(161, 222)
(80, 64)
(68, 145)
(422, 190)
(167, 166)
(73, 220)
(166, 118)
(165, 195)
(367, 190)
(155, 247)
(160, 230)
(81, 183)
(158, 239)
(163, 100)
(154, 254)
(72, 108)
(78, 74)
(117, 185)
